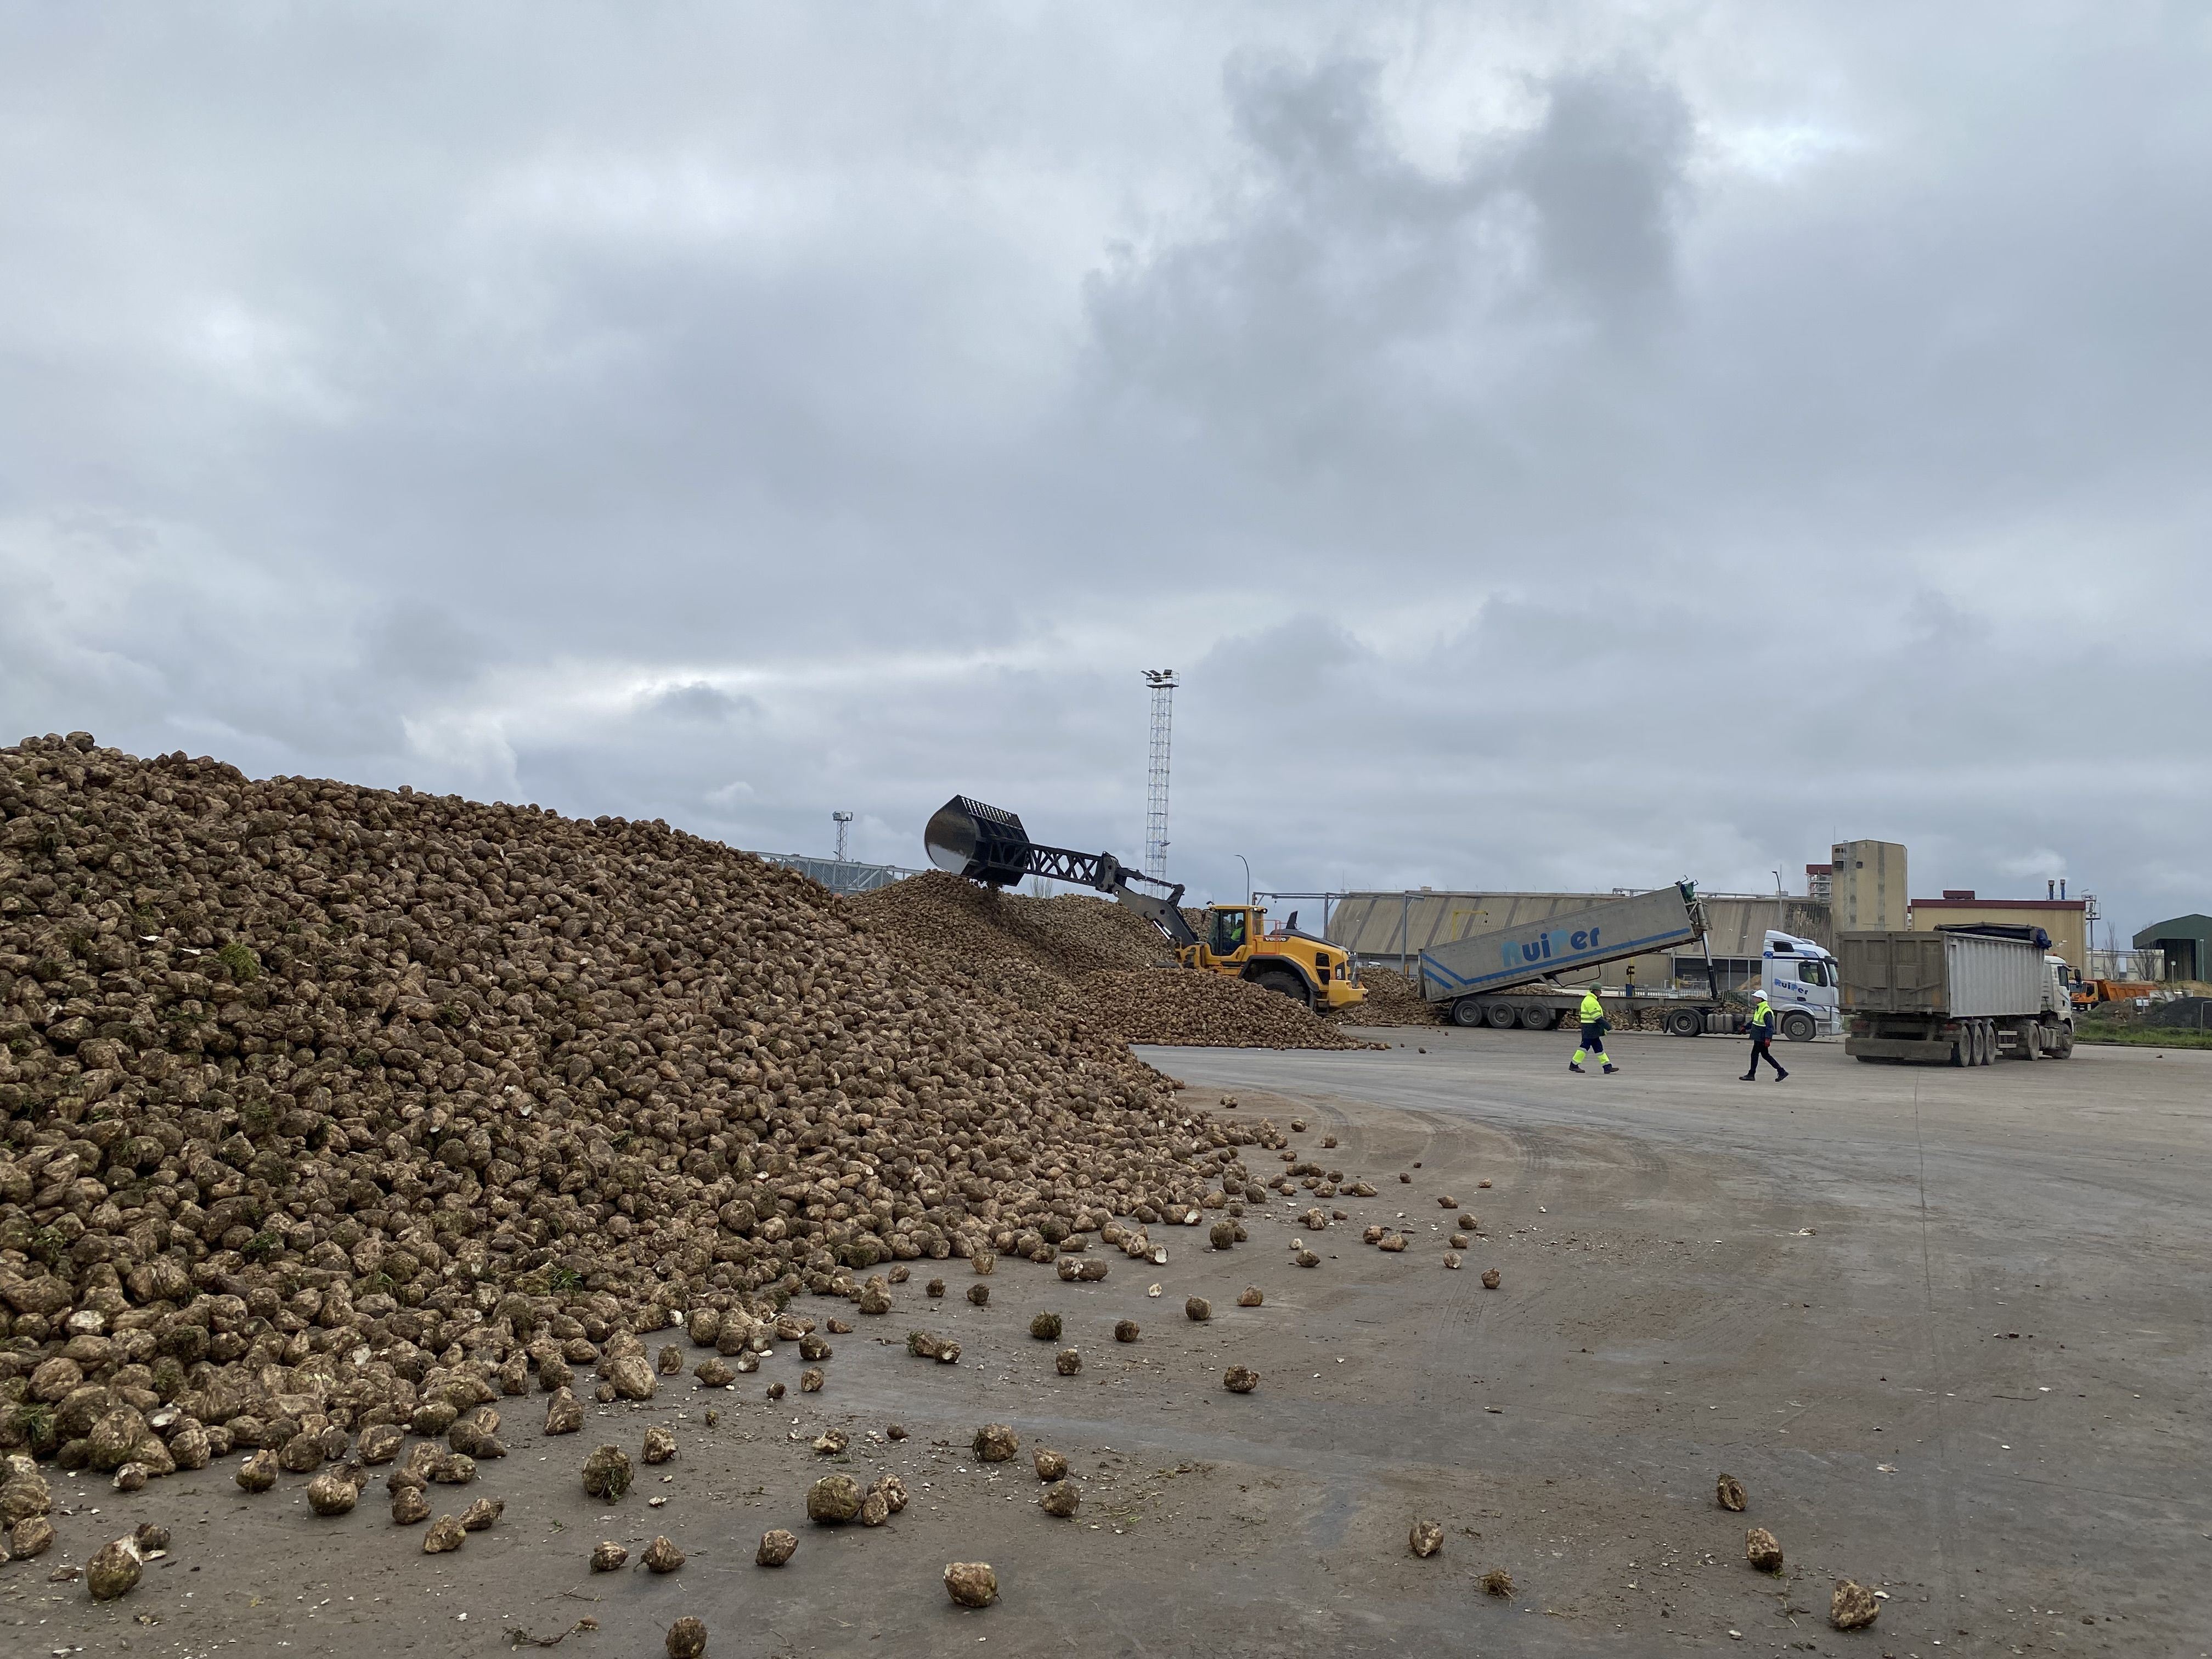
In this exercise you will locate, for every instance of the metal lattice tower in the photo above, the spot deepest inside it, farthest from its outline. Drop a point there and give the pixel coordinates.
(841, 819)
(1163, 681)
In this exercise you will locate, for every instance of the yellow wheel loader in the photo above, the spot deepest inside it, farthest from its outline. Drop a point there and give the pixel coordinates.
(987, 844)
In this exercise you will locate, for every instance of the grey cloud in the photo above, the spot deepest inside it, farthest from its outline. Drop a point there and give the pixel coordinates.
(1487, 414)
(698, 703)
(1604, 176)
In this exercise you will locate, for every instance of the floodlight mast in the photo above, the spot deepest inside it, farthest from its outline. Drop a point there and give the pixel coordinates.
(1163, 681)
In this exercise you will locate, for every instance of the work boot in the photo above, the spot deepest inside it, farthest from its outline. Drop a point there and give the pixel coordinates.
(1610, 1068)
(1780, 1076)
(1749, 1076)
(1576, 1069)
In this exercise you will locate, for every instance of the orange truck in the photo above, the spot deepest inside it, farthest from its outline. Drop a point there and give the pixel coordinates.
(2094, 993)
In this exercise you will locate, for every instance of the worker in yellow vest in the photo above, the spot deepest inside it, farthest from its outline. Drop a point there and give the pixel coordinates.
(1592, 1015)
(1762, 1034)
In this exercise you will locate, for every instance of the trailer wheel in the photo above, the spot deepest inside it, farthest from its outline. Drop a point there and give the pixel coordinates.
(1467, 1012)
(1684, 1022)
(1499, 1014)
(2065, 1048)
(1985, 1034)
(1798, 1028)
(1539, 1019)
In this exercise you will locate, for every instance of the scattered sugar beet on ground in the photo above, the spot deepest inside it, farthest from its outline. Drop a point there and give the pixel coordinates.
(1087, 959)
(325, 1107)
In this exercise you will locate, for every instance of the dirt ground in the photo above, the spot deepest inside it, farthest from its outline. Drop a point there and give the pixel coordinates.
(1948, 1326)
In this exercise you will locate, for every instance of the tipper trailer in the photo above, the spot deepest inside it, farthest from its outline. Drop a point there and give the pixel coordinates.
(1499, 977)
(1956, 996)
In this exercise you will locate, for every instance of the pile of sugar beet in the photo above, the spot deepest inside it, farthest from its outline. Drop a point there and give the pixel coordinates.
(1083, 957)
(315, 1097)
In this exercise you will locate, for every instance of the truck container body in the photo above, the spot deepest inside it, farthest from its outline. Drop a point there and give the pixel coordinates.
(1507, 957)
(1953, 996)
(1506, 976)
(1962, 975)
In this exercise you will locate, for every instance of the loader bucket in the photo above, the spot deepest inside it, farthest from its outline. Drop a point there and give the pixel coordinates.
(983, 844)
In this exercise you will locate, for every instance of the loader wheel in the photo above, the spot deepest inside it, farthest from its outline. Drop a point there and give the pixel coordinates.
(1285, 984)
(1685, 1022)
(1798, 1028)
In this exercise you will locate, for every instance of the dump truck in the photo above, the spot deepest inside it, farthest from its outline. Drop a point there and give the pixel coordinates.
(988, 845)
(1508, 976)
(1957, 996)
(2096, 993)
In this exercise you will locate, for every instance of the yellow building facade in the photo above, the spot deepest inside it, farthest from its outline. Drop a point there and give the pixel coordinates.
(2065, 920)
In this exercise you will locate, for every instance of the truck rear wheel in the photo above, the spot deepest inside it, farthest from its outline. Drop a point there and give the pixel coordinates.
(1467, 1012)
(1684, 1022)
(1500, 1016)
(1798, 1028)
(1539, 1019)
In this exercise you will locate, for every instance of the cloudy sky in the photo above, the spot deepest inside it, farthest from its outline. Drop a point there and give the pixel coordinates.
(1557, 445)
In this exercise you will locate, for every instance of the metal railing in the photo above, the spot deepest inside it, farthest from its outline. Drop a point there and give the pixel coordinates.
(841, 876)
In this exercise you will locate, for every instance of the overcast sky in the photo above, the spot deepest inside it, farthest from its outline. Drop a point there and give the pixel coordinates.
(1558, 446)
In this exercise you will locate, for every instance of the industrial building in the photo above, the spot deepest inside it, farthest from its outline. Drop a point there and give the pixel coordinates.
(1861, 889)
(2186, 944)
(2066, 920)
(1866, 887)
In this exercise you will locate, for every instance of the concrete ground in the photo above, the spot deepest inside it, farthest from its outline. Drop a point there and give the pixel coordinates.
(1948, 1327)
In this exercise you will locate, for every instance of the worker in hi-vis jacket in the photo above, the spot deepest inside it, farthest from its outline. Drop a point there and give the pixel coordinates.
(1762, 1034)
(1592, 1014)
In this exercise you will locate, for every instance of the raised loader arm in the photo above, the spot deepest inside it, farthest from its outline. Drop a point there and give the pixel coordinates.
(987, 844)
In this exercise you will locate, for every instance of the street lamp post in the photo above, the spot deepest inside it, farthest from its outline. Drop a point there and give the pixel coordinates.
(1247, 863)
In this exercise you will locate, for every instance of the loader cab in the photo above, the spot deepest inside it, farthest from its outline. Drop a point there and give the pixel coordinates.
(1230, 929)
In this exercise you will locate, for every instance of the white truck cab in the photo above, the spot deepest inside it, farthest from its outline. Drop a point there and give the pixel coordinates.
(2059, 979)
(1798, 975)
